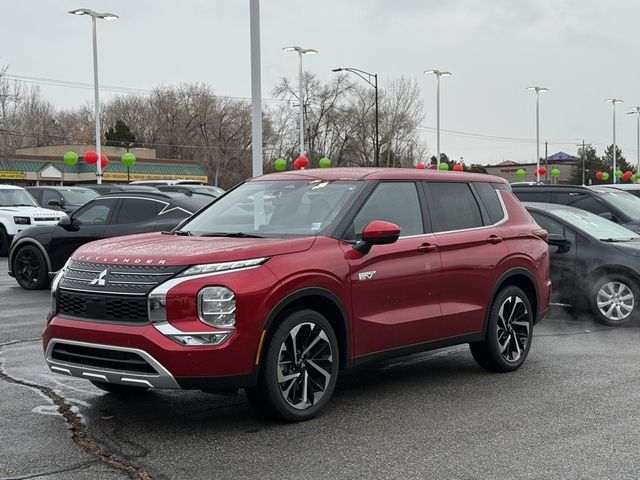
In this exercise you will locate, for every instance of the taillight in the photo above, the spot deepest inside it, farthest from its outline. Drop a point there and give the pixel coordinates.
(541, 233)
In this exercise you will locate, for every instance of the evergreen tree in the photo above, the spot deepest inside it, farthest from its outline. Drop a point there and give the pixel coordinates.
(120, 135)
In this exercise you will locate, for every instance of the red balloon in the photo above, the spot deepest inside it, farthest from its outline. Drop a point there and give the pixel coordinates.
(542, 170)
(599, 175)
(90, 157)
(296, 165)
(626, 176)
(302, 161)
(420, 166)
(458, 168)
(104, 161)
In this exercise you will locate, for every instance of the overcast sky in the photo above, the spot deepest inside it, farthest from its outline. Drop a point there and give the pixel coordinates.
(583, 51)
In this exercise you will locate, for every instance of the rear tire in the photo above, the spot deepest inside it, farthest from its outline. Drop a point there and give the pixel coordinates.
(30, 268)
(117, 389)
(614, 299)
(299, 370)
(509, 332)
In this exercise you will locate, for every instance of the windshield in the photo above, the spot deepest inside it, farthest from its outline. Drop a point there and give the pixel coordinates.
(74, 196)
(623, 201)
(16, 198)
(595, 225)
(274, 209)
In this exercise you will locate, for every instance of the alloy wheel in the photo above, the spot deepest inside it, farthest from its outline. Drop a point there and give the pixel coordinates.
(513, 328)
(305, 362)
(615, 301)
(29, 267)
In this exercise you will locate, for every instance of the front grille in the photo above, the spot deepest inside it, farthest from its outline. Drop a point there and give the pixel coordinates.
(101, 358)
(124, 279)
(110, 308)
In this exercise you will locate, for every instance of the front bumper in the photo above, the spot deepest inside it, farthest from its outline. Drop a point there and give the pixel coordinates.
(142, 356)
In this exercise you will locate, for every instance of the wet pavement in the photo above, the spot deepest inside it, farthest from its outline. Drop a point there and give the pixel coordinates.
(570, 412)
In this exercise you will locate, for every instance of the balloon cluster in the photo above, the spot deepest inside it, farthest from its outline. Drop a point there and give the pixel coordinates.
(91, 158)
(602, 176)
(300, 163)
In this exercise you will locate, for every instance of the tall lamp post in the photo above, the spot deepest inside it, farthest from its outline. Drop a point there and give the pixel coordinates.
(614, 102)
(636, 111)
(538, 90)
(374, 84)
(438, 74)
(301, 51)
(104, 16)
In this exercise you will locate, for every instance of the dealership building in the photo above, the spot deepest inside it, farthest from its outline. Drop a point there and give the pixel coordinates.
(45, 166)
(562, 161)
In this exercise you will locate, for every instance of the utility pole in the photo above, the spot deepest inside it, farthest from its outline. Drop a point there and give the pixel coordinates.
(583, 157)
(546, 162)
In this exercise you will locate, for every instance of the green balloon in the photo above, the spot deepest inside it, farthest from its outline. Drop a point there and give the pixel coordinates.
(521, 173)
(280, 164)
(70, 158)
(618, 173)
(443, 166)
(324, 162)
(605, 175)
(128, 159)
(555, 173)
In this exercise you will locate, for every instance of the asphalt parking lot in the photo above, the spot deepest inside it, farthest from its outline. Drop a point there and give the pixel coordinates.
(570, 412)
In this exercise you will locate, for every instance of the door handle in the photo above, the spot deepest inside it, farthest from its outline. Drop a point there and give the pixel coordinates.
(494, 239)
(427, 248)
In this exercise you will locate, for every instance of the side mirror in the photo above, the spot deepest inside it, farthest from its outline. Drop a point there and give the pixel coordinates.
(377, 232)
(65, 222)
(56, 203)
(560, 241)
(606, 215)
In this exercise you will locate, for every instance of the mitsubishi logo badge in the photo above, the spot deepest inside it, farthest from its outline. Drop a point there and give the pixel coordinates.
(100, 280)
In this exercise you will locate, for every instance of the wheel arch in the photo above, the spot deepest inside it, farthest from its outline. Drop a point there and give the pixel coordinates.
(28, 241)
(521, 278)
(613, 270)
(324, 302)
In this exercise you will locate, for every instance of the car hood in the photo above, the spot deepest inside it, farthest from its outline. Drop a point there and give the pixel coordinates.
(162, 249)
(631, 248)
(33, 211)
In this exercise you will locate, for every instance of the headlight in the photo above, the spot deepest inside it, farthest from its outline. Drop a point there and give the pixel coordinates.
(222, 267)
(217, 306)
(22, 220)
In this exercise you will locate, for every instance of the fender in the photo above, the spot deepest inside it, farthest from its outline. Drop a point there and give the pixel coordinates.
(505, 276)
(314, 291)
(30, 241)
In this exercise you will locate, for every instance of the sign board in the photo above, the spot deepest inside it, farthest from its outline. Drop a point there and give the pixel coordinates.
(11, 175)
(51, 172)
(150, 176)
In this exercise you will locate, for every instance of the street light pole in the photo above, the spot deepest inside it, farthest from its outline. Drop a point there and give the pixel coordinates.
(614, 102)
(105, 16)
(636, 111)
(374, 84)
(438, 74)
(256, 90)
(538, 90)
(301, 51)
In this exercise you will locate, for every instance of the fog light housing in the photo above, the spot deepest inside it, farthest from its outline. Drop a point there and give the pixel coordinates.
(217, 306)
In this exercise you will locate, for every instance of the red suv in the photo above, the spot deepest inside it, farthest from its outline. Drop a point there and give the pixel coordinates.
(289, 278)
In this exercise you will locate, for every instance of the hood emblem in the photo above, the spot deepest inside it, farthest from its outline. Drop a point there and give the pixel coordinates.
(101, 279)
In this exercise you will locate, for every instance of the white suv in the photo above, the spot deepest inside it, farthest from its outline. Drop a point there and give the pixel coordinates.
(19, 210)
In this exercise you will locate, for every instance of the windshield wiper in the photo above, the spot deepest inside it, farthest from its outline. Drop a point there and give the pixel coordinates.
(615, 240)
(230, 234)
(184, 233)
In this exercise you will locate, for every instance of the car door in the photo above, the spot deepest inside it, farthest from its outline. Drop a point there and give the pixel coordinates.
(470, 248)
(563, 261)
(394, 288)
(87, 224)
(136, 215)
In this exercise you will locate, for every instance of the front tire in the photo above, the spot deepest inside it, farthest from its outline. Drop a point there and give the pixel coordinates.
(614, 299)
(509, 332)
(30, 268)
(300, 368)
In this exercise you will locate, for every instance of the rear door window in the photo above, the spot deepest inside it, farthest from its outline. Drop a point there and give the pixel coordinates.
(453, 206)
(134, 210)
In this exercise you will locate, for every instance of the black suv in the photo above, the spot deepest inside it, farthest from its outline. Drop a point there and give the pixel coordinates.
(65, 199)
(37, 253)
(612, 204)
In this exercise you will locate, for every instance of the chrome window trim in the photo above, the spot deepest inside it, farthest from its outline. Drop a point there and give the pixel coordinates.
(164, 379)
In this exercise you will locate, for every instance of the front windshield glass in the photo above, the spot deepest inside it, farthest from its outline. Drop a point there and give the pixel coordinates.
(595, 225)
(275, 209)
(73, 196)
(623, 201)
(16, 198)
